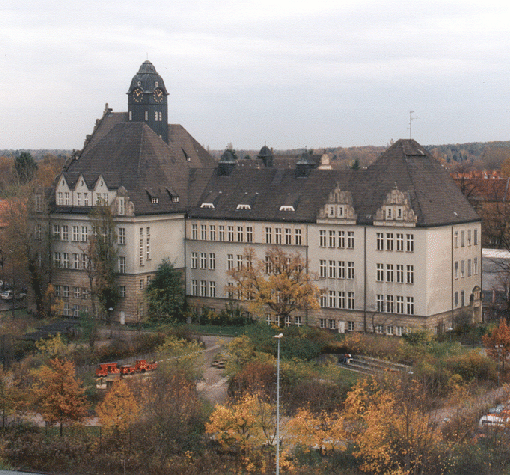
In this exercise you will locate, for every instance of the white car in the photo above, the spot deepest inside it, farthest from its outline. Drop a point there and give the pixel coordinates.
(497, 417)
(6, 295)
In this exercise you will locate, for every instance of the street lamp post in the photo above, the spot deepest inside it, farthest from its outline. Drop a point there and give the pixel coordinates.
(498, 348)
(278, 337)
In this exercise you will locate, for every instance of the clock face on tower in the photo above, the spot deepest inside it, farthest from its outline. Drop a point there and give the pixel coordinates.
(137, 95)
(158, 95)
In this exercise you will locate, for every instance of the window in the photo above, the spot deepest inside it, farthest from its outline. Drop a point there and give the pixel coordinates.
(66, 310)
(332, 270)
(389, 241)
(380, 241)
(287, 321)
(38, 232)
(194, 231)
(203, 260)
(410, 242)
(76, 292)
(230, 261)
(297, 320)
(389, 272)
(203, 232)
(400, 273)
(462, 298)
(212, 232)
(65, 232)
(230, 290)
(469, 268)
(410, 274)
(268, 318)
(380, 303)
(400, 304)
(462, 239)
(65, 293)
(203, 288)
(332, 239)
(230, 230)
(75, 233)
(410, 305)
(66, 194)
(475, 237)
(399, 331)
(60, 198)
(148, 244)
(350, 300)
(249, 233)
(297, 237)
(84, 233)
(332, 298)
(380, 272)
(212, 289)
(389, 330)
(84, 261)
(76, 260)
(194, 260)
(323, 300)
(350, 326)
(350, 270)
(85, 199)
(269, 269)
(268, 235)
(212, 260)
(239, 262)
(456, 269)
(469, 237)
(65, 260)
(322, 323)
(140, 286)
(341, 299)
(350, 239)
(56, 259)
(194, 287)
(322, 269)
(278, 235)
(331, 323)
(341, 269)
(389, 303)
(456, 239)
(122, 291)
(122, 265)
(140, 247)
(462, 269)
(221, 231)
(399, 238)
(341, 239)
(122, 236)
(456, 300)
(322, 238)
(379, 328)
(240, 234)
(288, 236)
(475, 266)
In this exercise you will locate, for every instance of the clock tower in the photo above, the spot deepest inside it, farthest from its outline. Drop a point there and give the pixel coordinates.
(147, 100)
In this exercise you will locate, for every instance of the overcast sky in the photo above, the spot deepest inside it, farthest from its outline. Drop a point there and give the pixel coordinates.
(288, 74)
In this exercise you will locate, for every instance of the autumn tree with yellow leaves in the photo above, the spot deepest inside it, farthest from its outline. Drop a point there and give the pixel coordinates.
(280, 282)
(58, 395)
(391, 427)
(497, 343)
(119, 409)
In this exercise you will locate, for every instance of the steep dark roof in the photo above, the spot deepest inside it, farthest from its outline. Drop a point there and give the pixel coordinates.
(146, 79)
(433, 195)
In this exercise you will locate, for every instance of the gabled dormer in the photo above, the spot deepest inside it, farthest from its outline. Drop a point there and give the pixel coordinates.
(122, 205)
(101, 194)
(63, 192)
(81, 194)
(338, 208)
(396, 210)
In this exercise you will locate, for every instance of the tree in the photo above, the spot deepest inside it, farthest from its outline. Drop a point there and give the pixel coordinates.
(391, 427)
(165, 293)
(25, 167)
(58, 395)
(497, 343)
(119, 408)
(280, 282)
(102, 260)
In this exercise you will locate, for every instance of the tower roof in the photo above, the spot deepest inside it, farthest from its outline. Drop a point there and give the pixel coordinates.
(147, 78)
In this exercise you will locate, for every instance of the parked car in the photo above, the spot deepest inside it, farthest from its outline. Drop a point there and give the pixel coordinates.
(6, 295)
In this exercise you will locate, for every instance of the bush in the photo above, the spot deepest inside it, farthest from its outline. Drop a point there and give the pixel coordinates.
(472, 365)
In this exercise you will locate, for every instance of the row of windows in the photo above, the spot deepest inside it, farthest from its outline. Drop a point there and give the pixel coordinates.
(283, 236)
(462, 299)
(75, 311)
(270, 320)
(61, 233)
(395, 304)
(335, 269)
(224, 233)
(144, 246)
(394, 241)
(336, 239)
(62, 260)
(466, 267)
(64, 291)
(395, 273)
(204, 262)
(340, 299)
(82, 199)
(465, 238)
(203, 288)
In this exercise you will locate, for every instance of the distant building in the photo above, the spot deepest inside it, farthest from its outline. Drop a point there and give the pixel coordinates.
(396, 245)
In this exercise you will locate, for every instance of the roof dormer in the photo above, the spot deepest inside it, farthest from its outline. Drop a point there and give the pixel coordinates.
(395, 211)
(338, 208)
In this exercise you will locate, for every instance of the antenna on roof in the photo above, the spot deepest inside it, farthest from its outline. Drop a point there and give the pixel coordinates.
(411, 118)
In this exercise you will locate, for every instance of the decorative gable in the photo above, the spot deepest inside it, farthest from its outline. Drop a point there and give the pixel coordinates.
(338, 208)
(395, 211)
